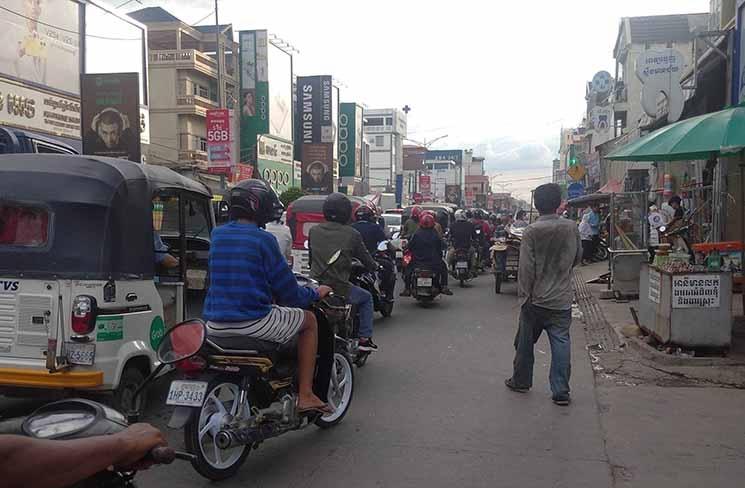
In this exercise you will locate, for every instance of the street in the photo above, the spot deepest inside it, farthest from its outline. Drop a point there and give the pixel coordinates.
(431, 409)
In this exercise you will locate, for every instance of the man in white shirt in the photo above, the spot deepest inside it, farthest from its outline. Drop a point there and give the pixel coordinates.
(284, 238)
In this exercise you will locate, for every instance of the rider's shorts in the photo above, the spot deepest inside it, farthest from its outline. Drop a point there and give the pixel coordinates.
(280, 325)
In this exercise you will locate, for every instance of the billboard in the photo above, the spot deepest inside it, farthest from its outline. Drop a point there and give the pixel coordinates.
(452, 194)
(28, 108)
(425, 186)
(314, 103)
(219, 140)
(280, 92)
(318, 168)
(40, 43)
(350, 141)
(275, 163)
(455, 155)
(110, 119)
(254, 102)
(413, 157)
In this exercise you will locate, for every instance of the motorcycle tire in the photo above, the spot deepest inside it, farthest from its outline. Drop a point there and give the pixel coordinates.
(343, 360)
(497, 283)
(601, 253)
(386, 309)
(191, 438)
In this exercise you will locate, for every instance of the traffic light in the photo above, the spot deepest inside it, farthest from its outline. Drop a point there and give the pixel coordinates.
(572, 156)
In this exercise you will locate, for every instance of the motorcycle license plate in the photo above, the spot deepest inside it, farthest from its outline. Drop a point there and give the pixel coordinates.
(424, 282)
(186, 393)
(399, 254)
(461, 265)
(81, 354)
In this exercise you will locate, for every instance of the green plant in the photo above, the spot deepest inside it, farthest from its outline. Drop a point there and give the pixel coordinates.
(290, 195)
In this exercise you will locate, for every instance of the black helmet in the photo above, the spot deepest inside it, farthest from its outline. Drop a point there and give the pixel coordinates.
(337, 208)
(255, 200)
(469, 214)
(364, 213)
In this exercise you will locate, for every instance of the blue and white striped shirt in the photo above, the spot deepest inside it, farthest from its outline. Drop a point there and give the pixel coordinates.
(247, 271)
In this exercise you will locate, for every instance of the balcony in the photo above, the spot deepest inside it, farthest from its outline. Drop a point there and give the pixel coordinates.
(187, 59)
(192, 150)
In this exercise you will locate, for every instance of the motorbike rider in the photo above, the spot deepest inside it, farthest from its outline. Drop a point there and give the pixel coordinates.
(41, 463)
(483, 237)
(247, 273)
(324, 241)
(462, 236)
(426, 248)
(372, 235)
(412, 224)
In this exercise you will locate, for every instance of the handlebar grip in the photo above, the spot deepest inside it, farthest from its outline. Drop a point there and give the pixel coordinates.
(162, 455)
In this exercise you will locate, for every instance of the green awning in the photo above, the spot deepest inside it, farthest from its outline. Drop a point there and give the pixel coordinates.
(714, 134)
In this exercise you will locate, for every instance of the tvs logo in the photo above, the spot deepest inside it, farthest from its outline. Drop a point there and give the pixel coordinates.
(9, 285)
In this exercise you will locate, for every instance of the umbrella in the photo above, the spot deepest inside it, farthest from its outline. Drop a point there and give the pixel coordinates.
(699, 137)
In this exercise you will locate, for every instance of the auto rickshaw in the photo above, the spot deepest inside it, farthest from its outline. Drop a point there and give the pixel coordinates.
(83, 300)
(302, 215)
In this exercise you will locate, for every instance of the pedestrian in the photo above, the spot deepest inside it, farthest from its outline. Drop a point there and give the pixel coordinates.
(585, 233)
(549, 250)
(595, 225)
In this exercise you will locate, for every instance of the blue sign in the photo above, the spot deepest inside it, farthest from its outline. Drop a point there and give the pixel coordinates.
(575, 190)
(455, 155)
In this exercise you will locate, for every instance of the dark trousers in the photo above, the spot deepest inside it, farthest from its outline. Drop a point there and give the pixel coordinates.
(533, 321)
(587, 250)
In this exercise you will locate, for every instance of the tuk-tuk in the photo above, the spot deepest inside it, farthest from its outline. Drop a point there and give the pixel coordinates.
(83, 302)
(302, 215)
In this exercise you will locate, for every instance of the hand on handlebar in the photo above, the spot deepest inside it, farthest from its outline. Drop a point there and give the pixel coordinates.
(137, 442)
(324, 291)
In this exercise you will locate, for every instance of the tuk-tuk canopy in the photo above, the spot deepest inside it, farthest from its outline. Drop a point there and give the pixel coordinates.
(586, 200)
(97, 214)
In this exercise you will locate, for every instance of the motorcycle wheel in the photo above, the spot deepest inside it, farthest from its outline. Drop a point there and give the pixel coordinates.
(462, 283)
(601, 253)
(200, 431)
(341, 390)
(497, 283)
(386, 309)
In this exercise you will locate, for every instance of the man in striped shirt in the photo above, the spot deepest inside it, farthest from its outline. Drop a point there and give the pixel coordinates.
(248, 274)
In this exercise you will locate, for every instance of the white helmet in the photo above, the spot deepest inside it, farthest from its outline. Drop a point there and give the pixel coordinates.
(460, 216)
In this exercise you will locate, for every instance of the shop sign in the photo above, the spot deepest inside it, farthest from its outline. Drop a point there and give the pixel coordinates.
(660, 71)
(696, 291)
(277, 174)
(655, 282)
(243, 172)
(27, 108)
(273, 149)
(575, 190)
(425, 186)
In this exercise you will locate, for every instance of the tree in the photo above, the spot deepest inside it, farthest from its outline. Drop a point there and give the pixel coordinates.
(290, 195)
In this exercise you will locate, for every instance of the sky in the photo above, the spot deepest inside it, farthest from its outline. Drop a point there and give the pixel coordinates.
(501, 77)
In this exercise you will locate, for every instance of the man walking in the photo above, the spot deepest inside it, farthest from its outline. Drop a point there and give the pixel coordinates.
(550, 248)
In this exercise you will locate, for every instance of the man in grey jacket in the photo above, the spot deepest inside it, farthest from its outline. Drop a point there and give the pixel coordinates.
(550, 249)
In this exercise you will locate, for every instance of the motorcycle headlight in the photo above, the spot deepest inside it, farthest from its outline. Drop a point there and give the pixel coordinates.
(53, 425)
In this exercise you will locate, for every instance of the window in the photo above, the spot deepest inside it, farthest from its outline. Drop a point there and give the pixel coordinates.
(165, 217)
(44, 148)
(374, 121)
(379, 141)
(23, 225)
(203, 144)
(389, 121)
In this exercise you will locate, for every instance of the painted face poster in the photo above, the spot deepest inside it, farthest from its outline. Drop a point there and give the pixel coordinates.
(318, 168)
(452, 194)
(110, 115)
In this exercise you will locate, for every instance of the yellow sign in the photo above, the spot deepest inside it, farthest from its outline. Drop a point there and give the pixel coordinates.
(577, 172)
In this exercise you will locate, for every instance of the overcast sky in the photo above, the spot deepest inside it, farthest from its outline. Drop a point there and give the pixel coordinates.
(502, 76)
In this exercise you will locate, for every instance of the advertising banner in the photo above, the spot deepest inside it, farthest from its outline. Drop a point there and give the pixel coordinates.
(414, 158)
(280, 93)
(314, 96)
(219, 140)
(318, 168)
(469, 197)
(33, 109)
(274, 162)
(254, 91)
(40, 43)
(455, 155)
(110, 106)
(243, 172)
(350, 141)
(452, 194)
(425, 186)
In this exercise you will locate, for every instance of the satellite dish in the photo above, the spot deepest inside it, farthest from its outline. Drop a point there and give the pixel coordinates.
(601, 82)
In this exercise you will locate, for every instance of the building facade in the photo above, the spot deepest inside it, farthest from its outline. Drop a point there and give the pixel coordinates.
(385, 131)
(183, 72)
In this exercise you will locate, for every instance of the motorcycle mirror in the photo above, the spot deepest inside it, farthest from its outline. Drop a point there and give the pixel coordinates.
(306, 244)
(396, 235)
(383, 246)
(334, 257)
(182, 341)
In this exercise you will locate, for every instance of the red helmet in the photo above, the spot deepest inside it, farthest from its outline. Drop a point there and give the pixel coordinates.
(416, 212)
(427, 220)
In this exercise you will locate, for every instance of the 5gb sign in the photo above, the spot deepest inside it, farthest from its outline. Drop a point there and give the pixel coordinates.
(219, 139)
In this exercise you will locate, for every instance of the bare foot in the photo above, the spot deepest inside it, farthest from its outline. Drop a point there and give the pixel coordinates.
(312, 402)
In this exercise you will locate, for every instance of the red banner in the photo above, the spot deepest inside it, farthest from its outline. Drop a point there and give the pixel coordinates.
(243, 172)
(219, 140)
(425, 186)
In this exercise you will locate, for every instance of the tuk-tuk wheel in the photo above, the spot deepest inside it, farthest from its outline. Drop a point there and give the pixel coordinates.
(132, 377)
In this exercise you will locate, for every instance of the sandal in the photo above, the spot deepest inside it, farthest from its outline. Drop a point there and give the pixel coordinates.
(326, 409)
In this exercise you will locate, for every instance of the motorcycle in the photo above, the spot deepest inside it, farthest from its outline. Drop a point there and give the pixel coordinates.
(232, 400)
(76, 418)
(601, 251)
(462, 271)
(382, 290)
(505, 258)
(425, 284)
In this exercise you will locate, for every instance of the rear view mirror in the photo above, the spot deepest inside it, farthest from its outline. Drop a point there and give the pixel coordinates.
(306, 244)
(334, 257)
(182, 341)
(396, 235)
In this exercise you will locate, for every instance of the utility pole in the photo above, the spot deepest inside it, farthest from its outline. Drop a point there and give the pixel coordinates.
(220, 91)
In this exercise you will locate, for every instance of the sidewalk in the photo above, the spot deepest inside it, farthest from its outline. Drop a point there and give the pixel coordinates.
(665, 425)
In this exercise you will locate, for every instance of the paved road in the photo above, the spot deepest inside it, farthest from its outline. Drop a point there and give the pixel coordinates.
(431, 410)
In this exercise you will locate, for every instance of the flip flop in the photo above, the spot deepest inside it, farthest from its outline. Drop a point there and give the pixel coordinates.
(324, 410)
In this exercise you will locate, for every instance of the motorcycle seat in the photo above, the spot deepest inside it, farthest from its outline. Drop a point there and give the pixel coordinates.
(249, 346)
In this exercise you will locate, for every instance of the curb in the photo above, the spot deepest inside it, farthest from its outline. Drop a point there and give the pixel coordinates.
(650, 353)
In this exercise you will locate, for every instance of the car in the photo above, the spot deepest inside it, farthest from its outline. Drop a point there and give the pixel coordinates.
(392, 222)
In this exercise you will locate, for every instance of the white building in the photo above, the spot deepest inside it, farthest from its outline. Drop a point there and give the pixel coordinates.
(385, 130)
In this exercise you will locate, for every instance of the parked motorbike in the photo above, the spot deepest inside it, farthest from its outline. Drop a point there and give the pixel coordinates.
(76, 418)
(601, 251)
(231, 400)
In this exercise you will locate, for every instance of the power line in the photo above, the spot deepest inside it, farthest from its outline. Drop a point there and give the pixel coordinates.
(69, 31)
